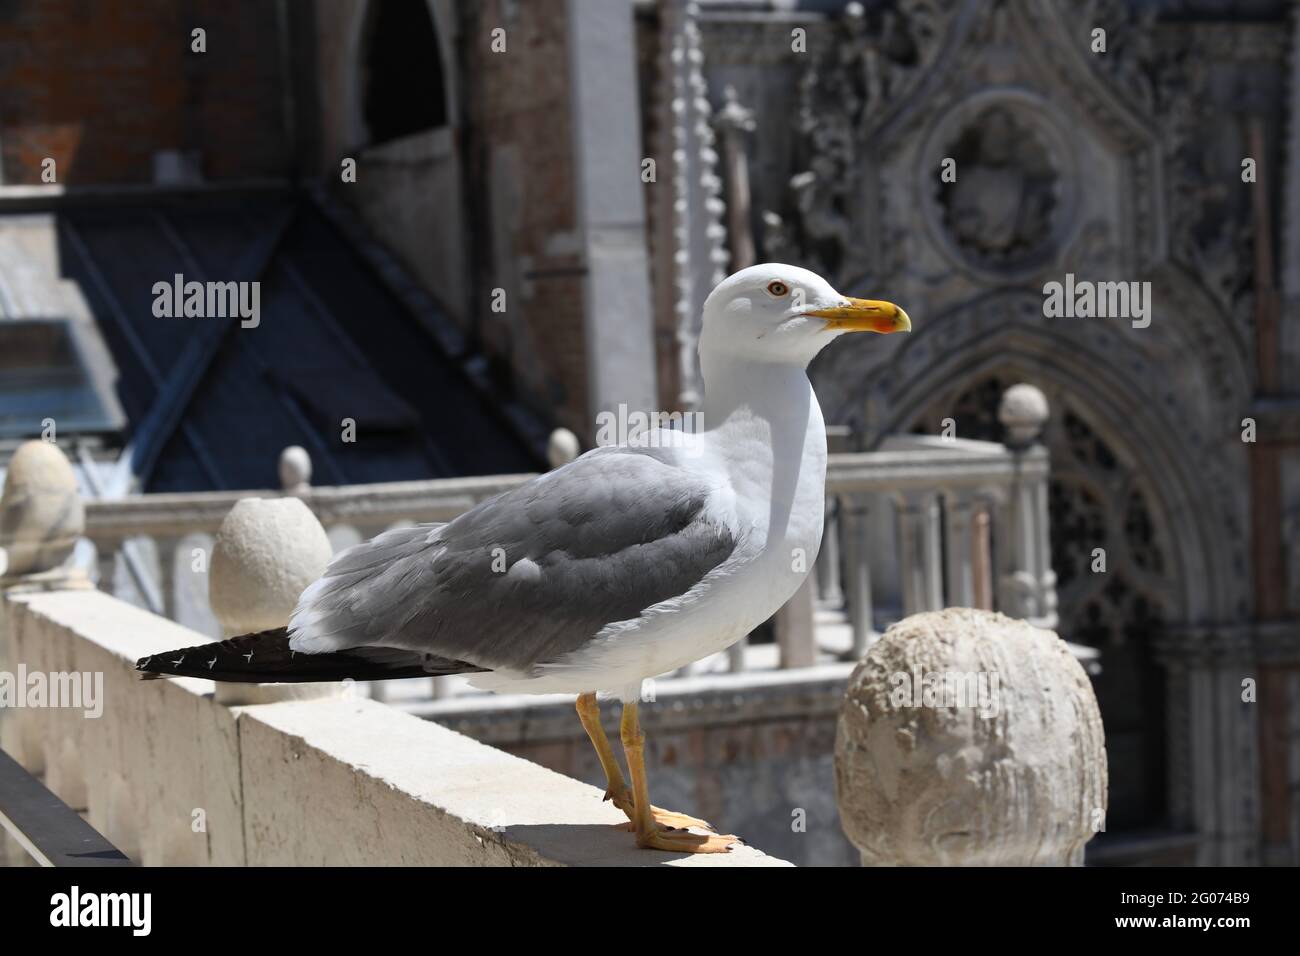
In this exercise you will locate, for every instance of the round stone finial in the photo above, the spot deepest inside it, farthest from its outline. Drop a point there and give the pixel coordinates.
(562, 447)
(266, 552)
(1023, 411)
(969, 738)
(295, 469)
(41, 515)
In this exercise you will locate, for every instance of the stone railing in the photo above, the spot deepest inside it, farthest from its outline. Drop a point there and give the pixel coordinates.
(176, 524)
(912, 527)
(944, 508)
(182, 771)
(175, 774)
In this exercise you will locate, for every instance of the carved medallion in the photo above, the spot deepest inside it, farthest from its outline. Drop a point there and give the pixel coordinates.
(1007, 204)
(1001, 208)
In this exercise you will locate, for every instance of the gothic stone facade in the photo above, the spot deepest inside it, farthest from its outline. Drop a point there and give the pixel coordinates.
(1117, 166)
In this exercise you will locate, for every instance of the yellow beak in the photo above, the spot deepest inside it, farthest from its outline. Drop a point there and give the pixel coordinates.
(865, 315)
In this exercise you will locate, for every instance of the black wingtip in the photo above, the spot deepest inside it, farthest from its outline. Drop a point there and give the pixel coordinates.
(266, 656)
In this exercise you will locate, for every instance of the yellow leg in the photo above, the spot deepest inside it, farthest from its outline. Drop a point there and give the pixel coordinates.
(616, 789)
(650, 833)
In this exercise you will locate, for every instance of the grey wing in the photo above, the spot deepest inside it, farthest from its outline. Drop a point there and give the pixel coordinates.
(526, 576)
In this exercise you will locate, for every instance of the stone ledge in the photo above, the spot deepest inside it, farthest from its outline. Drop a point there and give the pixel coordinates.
(335, 781)
(388, 787)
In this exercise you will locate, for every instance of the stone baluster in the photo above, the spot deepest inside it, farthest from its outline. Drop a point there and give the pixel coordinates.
(960, 550)
(830, 591)
(295, 470)
(793, 623)
(106, 564)
(982, 554)
(1047, 601)
(193, 558)
(265, 554)
(920, 552)
(736, 655)
(1013, 701)
(795, 634)
(1027, 585)
(853, 513)
(165, 548)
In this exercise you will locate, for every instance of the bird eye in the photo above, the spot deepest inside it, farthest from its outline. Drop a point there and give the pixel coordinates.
(777, 288)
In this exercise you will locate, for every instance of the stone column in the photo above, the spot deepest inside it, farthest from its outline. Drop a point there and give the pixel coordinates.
(106, 563)
(1212, 738)
(265, 554)
(854, 514)
(830, 593)
(1027, 585)
(982, 556)
(736, 655)
(1029, 788)
(794, 628)
(165, 548)
(960, 553)
(920, 551)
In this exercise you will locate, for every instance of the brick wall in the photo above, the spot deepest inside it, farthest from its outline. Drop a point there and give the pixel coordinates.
(521, 167)
(100, 87)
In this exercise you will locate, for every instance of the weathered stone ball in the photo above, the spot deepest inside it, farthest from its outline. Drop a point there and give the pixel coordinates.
(266, 552)
(1023, 411)
(41, 515)
(970, 738)
(562, 447)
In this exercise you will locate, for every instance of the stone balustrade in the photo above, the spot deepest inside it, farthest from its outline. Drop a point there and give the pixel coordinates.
(175, 524)
(173, 777)
(174, 771)
(173, 774)
(914, 526)
(944, 508)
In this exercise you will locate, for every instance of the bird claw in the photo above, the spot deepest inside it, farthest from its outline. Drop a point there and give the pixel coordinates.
(684, 841)
(668, 819)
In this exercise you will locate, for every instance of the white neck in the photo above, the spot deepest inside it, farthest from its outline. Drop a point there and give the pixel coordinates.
(765, 422)
(741, 383)
(742, 387)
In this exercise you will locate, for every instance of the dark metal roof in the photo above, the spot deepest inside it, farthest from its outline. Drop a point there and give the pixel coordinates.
(210, 404)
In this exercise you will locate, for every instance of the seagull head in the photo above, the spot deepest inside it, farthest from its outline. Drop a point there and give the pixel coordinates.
(780, 313)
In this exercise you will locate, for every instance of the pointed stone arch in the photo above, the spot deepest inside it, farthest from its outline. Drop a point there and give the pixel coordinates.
(381, 21)
(1123, 414)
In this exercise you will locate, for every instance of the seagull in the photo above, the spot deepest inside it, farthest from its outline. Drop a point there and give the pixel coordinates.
(628, 562)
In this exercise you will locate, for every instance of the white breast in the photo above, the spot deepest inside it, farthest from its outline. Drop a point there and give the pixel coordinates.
(770, 476)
